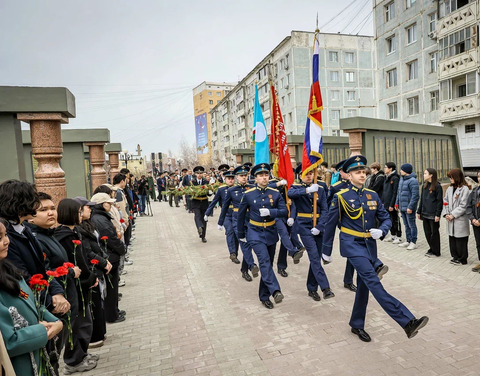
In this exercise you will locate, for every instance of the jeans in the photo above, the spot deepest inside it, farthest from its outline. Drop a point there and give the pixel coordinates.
(141, 202)
(410, 224)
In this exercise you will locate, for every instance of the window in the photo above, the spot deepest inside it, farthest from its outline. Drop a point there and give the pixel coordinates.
(409, 3)
(470, 128)
(392, 110)
(411, 33)
(219, 94)
(458, 42)
(209, 93)
(351, 113)
(391, 44)
(458, 87)
(334, 76)
(335, 114)
(333, 56)
(432, 22)
(349, 57)
(412, 68)
(335, 95)
(335, 132)
(210, 102)
(433, 62)
(413, 106)
(434, 100)
(392, 78)
(350, 95)
(389, 11)
(449, 6)
(349, 76)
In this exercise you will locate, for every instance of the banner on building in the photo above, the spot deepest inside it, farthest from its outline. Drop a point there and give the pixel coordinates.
(201, 132)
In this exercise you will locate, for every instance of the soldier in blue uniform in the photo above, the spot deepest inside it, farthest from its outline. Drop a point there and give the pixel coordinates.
(199, 203)
(222, 169)
(232, 202)
(302, 195)
(251, 178)
(263, 205)
(220, 196)
(355, 209)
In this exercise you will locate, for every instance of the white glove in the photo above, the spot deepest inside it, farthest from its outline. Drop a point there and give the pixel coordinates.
(376, 233)
(315, 231)
(290, 221)
(220, 228)
(243, 240)
(312, 188)
(205, 218)
(282, 182)
(264, 212)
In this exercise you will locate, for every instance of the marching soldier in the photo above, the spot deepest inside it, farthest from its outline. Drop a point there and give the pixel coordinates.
(221, 172)
(302, 194)
(171, 186)
(232, 202)
(199, 203)
(355, 209)
(220, 197)
(264, 205)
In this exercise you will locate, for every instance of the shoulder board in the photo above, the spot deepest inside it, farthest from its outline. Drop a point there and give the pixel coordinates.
(337, 183)
(273, 179)
(341, 191)
(272, 189)
(299, 184)
(369, 190)
(251, 189)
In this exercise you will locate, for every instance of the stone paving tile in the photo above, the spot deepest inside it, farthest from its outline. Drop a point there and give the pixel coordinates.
(189, 312)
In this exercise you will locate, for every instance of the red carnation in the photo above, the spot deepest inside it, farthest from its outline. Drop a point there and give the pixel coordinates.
(68, 265)
(104, 238)
(94, 261)
(77, 242)
(37, 276)
(52, 273)
(130, 217)
(61, 271)
(203, 187)
(122, 220)
(445, 204)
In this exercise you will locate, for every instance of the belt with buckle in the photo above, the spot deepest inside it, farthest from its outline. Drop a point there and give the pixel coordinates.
(358, 234)
(262, 224)
(307, 215)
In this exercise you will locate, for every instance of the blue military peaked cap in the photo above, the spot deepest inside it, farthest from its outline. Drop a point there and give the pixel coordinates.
(357, 162)
(248, 164)
(199, 169)
(340, 164)
(261, 167)
(298, 170)
(241, 170)
(228, 174)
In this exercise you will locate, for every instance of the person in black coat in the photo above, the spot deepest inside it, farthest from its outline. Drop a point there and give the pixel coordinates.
(389, 196)
(69, 216)
(378, 179)
(114, 247)
(430, 210)
(199, 203)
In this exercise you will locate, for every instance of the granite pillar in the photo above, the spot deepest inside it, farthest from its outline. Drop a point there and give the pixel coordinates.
(355, 140)
(97, 160)
(47, 148)
(113, 161)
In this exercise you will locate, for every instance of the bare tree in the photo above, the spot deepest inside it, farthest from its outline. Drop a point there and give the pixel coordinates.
(188, 154)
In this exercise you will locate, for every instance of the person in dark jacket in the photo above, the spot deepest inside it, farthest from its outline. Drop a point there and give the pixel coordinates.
(114, 247)
(389, 196)
(142, 194)
(430, 210)
(406, 204)
(377, 180)
(77, 358)
(473, 213)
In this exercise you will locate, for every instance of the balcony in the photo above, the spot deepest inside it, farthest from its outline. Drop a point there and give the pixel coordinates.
(460, 108)
(459, 64)
(457, 20)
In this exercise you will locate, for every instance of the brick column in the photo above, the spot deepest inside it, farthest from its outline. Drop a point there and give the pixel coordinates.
(113, 161)
(355, 140)
(97, 160)
(47, 148)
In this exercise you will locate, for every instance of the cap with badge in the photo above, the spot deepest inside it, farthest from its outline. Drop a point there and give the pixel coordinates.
(248, 164)
(228, 174)
(184, 170)
(199, 169)
(298, 170)
(223, 167)
(261, 167)
(241, 170)
(340, 164)
(357, 162)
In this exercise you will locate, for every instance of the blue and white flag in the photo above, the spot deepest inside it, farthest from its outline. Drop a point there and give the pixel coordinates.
(260, 139)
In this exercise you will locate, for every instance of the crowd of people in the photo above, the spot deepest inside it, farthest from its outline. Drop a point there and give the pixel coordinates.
(60, 271)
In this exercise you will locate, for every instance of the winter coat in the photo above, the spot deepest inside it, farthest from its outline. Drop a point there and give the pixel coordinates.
(431, 203)
(390, 189)
(93, 250)
(457, 200)
(376, 183)
(408, 193)
(103, 223)
(473, 206)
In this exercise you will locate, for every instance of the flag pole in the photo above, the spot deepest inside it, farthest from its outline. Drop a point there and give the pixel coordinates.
(315, 172)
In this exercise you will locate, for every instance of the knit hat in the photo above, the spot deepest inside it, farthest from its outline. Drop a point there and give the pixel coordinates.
(407, 168)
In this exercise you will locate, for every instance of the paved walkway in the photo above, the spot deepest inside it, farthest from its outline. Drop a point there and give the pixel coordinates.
(189, 312)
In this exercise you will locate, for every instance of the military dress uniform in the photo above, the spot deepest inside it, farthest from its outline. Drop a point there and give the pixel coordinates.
(354, 210)
(220, 197)
(232, 203)
(262, 234)
(303, 226)
(199, 205)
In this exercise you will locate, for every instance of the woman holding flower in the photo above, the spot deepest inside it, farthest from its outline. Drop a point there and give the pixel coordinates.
(23, 331)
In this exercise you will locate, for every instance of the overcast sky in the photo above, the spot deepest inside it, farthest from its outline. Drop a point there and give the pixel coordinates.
(132, 65)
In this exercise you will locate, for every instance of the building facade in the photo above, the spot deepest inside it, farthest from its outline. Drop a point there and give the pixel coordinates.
(346, 73)
(205, 97)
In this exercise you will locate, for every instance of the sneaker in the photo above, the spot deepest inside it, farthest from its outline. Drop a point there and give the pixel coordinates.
(389, 239)
(123, 272)
(404, 244)
(412, 246)
(121, 283)
(92, 357)
(83, 366)
(455, 262)
(397, 240)
(128, 262)
(94, 345)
